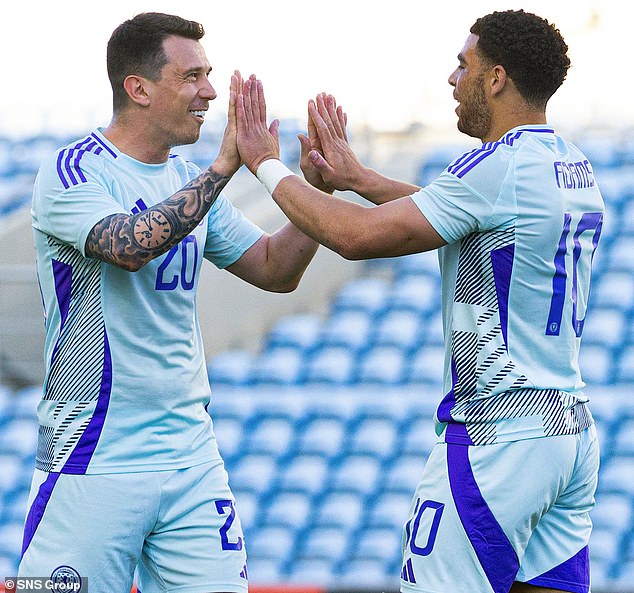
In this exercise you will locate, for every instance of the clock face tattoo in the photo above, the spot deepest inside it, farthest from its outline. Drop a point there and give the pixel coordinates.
(151, 229)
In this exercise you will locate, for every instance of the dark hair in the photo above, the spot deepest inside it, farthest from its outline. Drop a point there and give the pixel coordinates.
(136, 47)
(531, 50)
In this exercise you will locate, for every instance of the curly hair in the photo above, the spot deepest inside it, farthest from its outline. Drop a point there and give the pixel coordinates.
(136, 47)
(531, 50)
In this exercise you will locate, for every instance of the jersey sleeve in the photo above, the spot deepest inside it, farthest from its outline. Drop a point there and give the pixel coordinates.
(67, 209)
(229, 233)
(459, 203)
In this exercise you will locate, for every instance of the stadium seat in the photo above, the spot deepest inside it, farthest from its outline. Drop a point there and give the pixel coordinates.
(287, 508)
(331, 365)
(253, 472)
(380, 544)
(232, 367)
(618, 474)
(229, 431)
(327, 542)
(400, 328)
(596, 364)
(349, 329)
(373, 435)
(389, 509)
(426, 365)
(295, 331)
(339, 508)
(270, 434)
(362, 294)
(404, 473)
(279, 366)
(625, 364)
(306, 473)
(418, 293)
(247, 507)
(358, 473)
(322, 435)
(418, 435)
(272, 542)
(382, 365)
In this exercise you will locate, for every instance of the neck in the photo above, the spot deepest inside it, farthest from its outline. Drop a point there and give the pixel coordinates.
(134, 141)
(519, 115)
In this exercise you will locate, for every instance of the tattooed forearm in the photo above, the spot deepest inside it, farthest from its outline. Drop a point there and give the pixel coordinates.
(130, 241)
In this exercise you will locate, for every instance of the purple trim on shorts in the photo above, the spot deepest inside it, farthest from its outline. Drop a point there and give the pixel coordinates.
(493, 549)
(502, 263)
(572, 575)
(36, 512)
(77, 462)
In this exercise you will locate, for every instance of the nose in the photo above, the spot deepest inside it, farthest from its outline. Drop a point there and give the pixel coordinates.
(452, 77)
(207, 91)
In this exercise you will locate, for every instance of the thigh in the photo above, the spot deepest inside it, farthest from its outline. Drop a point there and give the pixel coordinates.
(475, 509)
(197, 544)
(88, 527)
(557, 555)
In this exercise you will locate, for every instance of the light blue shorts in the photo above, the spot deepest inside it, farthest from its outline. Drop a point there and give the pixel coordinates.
(179, 526)
(485, 516)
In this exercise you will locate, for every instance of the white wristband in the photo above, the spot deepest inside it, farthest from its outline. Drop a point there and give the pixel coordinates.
(271, 172)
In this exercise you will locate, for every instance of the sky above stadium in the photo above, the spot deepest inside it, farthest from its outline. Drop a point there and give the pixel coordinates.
(386, 62)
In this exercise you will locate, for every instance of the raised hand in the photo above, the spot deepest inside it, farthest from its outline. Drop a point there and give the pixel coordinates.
(256, 142)
(331, 155)
(228, 157)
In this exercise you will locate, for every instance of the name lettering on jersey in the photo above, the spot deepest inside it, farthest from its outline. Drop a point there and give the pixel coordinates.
(569, 175)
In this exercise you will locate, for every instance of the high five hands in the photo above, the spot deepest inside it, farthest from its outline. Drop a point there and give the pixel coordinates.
(327, 161)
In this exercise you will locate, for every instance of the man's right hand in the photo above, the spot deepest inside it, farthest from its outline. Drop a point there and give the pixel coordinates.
(256, 142)
(336, 162)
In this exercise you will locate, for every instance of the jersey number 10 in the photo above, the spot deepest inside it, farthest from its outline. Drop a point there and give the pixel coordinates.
(590, 223)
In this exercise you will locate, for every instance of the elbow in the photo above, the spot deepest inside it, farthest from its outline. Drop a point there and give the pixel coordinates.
(351, 248)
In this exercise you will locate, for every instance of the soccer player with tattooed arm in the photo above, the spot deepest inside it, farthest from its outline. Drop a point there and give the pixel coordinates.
(504, 501)
(128, 473)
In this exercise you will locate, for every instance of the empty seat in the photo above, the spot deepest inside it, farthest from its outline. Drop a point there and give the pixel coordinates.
(362, 294)
(228, 431)
(414, 293)
(389, 509)
(383, 365)
(340, 509)
(405, 473)
(359, 473)
(418, 435)
(426, 365)
(307, 473)
(272, 541)
(291, 508)
(596, 364)
(280, 366)
(350, 329)
(296, 331)
(253, 472)
(381, 544)
(323, 435)
(270, 434)
(399, 328)
(326, 542)
(332, 365)
(373, 435)
(232, 367)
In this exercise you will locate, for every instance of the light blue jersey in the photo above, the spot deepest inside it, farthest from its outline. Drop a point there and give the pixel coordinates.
(522, 218)
(126, 383)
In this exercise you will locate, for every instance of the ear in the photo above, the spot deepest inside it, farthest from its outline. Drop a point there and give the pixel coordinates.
(137, 90)
(498, 79)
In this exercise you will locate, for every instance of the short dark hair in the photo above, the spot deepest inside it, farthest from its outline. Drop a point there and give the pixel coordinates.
(531, 50)
(136, 47)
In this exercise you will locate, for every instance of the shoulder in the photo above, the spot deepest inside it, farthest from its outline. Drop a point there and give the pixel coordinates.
(77, 162)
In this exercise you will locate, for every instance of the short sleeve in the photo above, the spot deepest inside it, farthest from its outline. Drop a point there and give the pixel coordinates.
(229, 233)
(69, 211)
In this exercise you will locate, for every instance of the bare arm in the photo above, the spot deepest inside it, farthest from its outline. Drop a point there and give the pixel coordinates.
(394, 228)
(339, 165)
(131, 241)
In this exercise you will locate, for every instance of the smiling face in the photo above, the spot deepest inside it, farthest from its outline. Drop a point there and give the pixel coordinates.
(180, 98)
(468, 80)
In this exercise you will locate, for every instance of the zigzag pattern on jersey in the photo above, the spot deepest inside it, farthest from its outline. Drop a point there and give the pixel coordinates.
(462, 165)
(69, 159)
(75, 373)
(489, 387)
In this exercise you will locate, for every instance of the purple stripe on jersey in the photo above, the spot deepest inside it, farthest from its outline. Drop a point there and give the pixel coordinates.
(493, 549)
(502, 262)
(77, 462)
(104, 145)
(572, 575)
(476, 158)
(60, 172)
(63, 277)
(36, 512)
(69, 158)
